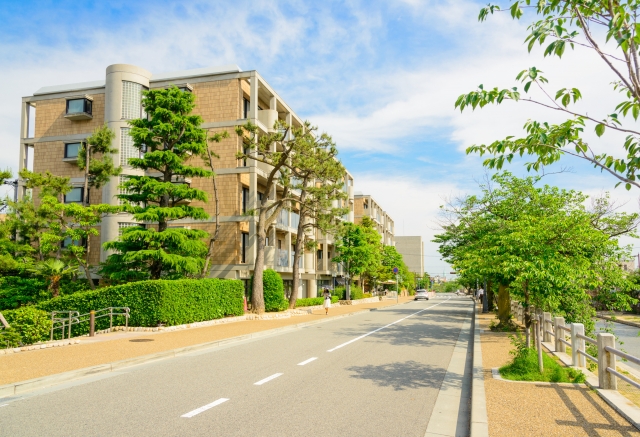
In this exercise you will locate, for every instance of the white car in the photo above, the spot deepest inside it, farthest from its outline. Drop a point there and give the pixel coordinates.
(421, 294)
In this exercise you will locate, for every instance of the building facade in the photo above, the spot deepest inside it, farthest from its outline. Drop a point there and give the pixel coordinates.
(412, 251)
(57, 119)
(366, 206)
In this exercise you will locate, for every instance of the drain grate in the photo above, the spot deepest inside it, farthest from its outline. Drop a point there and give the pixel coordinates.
(140, 340)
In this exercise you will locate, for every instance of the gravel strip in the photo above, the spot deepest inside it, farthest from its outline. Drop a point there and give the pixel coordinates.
(541, 409)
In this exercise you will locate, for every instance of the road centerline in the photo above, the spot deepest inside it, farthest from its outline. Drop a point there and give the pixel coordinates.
(307, 361)
(385, 326)
(197, 411)
(268, 378)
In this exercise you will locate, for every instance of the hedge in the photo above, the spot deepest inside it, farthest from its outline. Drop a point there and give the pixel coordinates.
(354, 291)
(312, 301)
(28, 325)
(157, 302)
(273, 291)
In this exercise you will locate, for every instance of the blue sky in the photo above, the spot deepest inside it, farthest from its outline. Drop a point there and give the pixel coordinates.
(380, 76)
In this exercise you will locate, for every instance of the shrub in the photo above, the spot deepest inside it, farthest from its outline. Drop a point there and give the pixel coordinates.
(157, 302)
(31, 325)
(313, 301)
(355, 291)
(9, 338)
(366, 295)
(273, 289)
(16, 291)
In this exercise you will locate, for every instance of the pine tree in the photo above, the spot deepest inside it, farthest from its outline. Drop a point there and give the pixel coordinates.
(168, 138)
(97, 170)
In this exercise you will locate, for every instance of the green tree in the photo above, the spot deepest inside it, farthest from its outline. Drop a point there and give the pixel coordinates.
(169, 137)
(319, 178)
(97, 169)
(54, 270)
(275, 148)
(391, 259)
(539, 244)
(560, 25)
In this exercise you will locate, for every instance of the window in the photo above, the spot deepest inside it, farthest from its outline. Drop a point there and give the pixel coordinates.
(79, 108)
(131, 100)
(366, 205)
(186, 88)
(245, 199)
(124, 225)
(68, 242)
(127, 149)
(259, 197)
(71, 150)
(245, 243)
(319, 253)
(74, 196)
(245, 108)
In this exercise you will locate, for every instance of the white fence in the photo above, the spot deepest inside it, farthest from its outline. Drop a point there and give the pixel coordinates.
(572, 335)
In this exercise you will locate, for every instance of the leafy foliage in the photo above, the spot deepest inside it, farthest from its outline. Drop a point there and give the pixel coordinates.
(29, 323)
(101, 167)
(313, 301)
(560, 25)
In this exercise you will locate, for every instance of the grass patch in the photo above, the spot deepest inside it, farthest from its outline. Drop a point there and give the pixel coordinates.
(524, 366)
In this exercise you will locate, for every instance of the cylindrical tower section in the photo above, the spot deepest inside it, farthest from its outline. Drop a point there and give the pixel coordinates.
(123, 95)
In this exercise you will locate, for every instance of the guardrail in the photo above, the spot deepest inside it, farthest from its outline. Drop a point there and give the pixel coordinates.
(74, 317)
(543, 326)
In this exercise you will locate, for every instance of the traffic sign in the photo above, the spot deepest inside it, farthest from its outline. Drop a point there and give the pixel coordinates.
(395, 270)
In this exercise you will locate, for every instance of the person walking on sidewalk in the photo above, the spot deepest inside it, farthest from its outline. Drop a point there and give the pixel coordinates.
(480, 294)
(327, 301)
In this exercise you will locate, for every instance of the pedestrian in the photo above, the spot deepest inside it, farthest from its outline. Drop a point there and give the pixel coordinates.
(327, 300)
(480, 294)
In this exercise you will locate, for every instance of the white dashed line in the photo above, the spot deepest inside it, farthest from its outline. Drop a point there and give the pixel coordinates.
(268, 378)
(307, 361)
(385, 326)
(205, 408)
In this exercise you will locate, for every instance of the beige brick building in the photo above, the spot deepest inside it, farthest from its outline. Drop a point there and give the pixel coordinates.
(365, 205)
(56, 119)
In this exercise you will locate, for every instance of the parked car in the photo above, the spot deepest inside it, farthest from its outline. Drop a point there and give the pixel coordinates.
(421, 294)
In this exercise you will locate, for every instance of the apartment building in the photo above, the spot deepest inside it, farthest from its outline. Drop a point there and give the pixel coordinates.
(412, 251)
(57, 119)
(365, 205)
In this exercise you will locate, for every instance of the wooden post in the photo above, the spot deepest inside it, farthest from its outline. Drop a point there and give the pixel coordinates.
(536, 322)
(92, 323)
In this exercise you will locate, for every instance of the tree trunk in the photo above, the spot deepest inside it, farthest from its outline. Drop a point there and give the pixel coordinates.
(527, 316)
(85, 190)
(216, 231)
(490, 296)
(257, 293)
(504, 304)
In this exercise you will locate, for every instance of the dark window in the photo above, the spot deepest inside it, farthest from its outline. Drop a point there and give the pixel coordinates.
(71, 150)
(67, 242)
(245, 243)
(259, 196)
(319, 253)
(245, 108)
(79, 106)
(246, 152)
(245, 199)
(74, 196)
(185, 89)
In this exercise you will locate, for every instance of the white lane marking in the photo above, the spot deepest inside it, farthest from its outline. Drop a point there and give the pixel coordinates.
(268, 378)
(3, 405)
(385, 326)
(205, 408)
(307, 361)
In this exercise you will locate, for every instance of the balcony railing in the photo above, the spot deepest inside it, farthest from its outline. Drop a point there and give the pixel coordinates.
(283, 218)
(282, 258)
(295, 220)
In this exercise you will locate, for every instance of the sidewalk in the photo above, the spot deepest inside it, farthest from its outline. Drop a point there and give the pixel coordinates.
(107, 348)
(532, 409)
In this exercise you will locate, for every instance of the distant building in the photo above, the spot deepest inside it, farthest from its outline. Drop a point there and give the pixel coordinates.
(366, 206)
(628, 266)
(412, 251)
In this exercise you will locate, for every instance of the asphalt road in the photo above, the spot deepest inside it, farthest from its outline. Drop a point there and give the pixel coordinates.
(374, 374)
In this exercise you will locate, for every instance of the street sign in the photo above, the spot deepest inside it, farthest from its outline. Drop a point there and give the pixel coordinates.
(395, 270)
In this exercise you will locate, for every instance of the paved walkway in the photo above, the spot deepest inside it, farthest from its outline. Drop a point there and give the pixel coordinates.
(539, 409)
(118, 346)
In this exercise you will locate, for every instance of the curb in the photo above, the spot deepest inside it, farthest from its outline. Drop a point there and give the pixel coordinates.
(622, 322)
(21, 387)
(479, 420)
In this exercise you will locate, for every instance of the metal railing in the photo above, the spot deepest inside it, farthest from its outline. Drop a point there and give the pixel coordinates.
(605, 343)
(71, 318)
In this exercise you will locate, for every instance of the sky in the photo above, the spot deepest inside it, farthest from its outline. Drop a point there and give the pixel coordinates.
(381, 77)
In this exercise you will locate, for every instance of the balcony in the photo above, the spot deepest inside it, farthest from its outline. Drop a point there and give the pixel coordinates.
(295, 220)
(270, 256)
(268, 118)
(283, 219)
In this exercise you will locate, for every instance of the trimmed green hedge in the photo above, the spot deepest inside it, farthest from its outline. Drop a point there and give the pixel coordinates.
(312, 301)
(28, 325)
(273, 291)
(354, 291)
(157, 302)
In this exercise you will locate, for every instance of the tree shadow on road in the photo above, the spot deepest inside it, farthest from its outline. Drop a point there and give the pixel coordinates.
(401, 376)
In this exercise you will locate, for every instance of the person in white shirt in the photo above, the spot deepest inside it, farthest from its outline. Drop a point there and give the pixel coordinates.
(480, 294)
